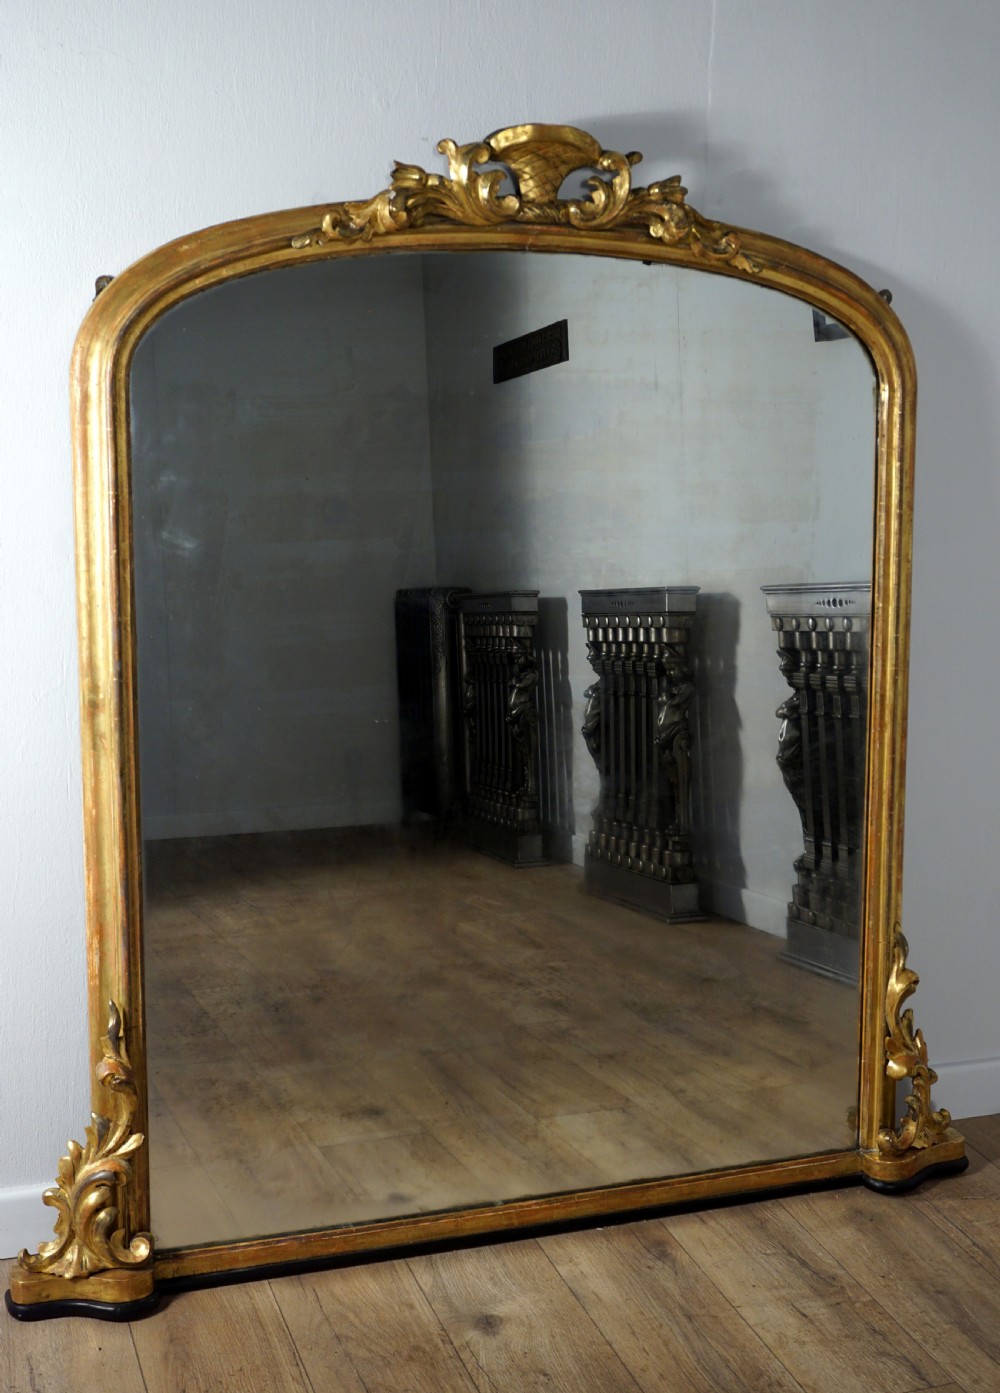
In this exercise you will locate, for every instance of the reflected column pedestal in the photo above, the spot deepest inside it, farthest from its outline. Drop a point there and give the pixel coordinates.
(500, 709)
(822, 633)
(637, 730)
(427, 668)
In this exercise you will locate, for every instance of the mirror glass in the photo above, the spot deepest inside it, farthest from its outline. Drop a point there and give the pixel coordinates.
(502, 665)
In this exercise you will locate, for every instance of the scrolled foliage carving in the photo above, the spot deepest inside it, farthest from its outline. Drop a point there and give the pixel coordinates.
(906, 1057)
(89, 1235)
(538, 159)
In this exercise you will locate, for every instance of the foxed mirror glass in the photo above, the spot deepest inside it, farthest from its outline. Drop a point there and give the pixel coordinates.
(494, 639)
(384, 1013)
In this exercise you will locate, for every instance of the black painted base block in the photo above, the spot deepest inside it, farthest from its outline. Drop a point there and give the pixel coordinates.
(818, 950)
(495, 1238)
(96, 1310)
(900, 1187)
(675, 904)
(516, 848)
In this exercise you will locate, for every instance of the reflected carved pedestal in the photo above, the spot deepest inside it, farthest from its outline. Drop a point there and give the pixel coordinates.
(637, 728)
(427, 671)
(500, 708)
(822, 633)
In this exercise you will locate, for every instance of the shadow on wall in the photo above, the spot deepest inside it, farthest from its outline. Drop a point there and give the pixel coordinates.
(717, 775)
(674, 144)
(555, 717)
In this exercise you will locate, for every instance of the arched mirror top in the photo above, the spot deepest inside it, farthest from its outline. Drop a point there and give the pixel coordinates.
(502, 192)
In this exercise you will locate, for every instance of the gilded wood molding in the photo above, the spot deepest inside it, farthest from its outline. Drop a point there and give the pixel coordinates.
(539, 158)
(89, 1235)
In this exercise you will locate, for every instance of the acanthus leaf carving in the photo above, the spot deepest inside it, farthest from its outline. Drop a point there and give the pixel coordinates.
(89, 1236)
(906, 1057)
(538, 159)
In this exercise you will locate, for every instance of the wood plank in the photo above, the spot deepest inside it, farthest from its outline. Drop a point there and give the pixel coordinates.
(970, 1213)
(172, 1146)
(980, 1181)
(186, 1206)
(920, 1272)
(631, 1143)
(983, 1133)
(967, 1207)
(284, 1191)
(270, 1176)
(65, 1355)
(722, 1127)
(319, 1347)
(404, 1174)
(380, 1321)
(815, 1314)
(515, 1323)
(667, 1322)
(332, 1107)
(224, 1340)
(510, 1152)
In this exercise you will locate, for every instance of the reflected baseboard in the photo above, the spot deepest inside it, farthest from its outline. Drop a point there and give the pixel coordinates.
(819, 950)
(743, 905)
(229, 822)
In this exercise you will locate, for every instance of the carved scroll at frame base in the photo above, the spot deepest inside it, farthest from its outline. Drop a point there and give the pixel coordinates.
(92, 1258)
(924, 1141)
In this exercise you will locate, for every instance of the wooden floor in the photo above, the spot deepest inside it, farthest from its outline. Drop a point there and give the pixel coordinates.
(342, 1028)
(838, 1292)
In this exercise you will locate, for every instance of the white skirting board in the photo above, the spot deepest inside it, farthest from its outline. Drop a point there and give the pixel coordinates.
(969, 1088)
(24, 1220)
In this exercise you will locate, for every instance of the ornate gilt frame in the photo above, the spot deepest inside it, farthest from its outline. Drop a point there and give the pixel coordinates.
(102, 1258)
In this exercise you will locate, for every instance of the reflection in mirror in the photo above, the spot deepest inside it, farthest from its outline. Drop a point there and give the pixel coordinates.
(477, 862)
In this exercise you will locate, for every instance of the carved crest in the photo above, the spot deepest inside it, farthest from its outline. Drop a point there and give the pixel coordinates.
(906, 1055)
(538, 160)
(89, 1237)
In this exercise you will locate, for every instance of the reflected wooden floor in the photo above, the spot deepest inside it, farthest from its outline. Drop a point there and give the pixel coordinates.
(347, 1027)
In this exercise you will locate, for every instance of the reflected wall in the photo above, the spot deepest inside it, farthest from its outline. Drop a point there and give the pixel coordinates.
(309, 442)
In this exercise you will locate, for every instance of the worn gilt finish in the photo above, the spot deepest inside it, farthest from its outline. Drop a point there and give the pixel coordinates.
(540, 158)
(89, 1235)
(907, 1059)
(466, 210)
(90, 1229)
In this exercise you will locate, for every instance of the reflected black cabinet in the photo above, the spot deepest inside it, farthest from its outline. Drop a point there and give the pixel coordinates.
(500, 709)
(427, 670)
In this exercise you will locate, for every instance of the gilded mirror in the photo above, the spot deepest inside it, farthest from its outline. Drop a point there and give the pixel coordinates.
(493, 612)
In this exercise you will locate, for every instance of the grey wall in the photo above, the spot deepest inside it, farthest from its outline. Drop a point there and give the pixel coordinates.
(698, 435)
(282, 495)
